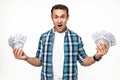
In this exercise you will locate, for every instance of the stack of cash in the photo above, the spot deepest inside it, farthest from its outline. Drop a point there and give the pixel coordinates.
(104, 36)
(17, 40)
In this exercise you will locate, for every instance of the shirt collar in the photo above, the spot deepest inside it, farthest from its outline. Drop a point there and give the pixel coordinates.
(53, 30)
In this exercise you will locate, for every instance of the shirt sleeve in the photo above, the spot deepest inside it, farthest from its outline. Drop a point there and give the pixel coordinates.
(81, 52)
(39, 49)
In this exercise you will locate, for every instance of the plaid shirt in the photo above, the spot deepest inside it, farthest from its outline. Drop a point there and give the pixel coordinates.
(73, 51)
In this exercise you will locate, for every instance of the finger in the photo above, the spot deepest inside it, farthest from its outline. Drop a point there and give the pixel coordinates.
(100, 49)
(15, 50)
(105, 48)
(19, 53)
(102, 45)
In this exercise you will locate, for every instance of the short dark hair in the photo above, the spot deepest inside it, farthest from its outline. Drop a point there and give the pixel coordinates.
(60, 6)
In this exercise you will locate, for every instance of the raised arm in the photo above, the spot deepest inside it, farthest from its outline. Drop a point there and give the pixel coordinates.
(19, 54)
(102, 49)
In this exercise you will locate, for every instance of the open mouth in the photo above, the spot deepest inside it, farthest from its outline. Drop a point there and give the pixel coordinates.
(59, 26)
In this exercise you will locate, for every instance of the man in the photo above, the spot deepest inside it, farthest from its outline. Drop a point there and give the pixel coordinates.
(59, 49)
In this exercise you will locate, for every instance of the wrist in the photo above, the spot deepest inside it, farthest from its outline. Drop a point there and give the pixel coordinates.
(97, 58)
(26, 58)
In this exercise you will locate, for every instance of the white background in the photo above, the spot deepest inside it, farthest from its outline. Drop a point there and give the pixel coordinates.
(32, 18)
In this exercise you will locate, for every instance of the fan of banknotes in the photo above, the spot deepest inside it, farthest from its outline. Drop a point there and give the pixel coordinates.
(17, 40)
(104, 36)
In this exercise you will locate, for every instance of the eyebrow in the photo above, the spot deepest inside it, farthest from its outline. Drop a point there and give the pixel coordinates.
(60, 15)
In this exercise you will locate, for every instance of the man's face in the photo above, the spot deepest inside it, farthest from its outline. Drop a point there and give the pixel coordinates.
(59, 18)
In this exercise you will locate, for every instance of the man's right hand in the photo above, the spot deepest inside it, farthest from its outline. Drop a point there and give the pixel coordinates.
(19, 54)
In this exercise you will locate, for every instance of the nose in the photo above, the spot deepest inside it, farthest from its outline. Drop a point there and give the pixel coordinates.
(59, 20)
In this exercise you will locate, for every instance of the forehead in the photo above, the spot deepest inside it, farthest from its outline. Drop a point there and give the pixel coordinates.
(59, 12)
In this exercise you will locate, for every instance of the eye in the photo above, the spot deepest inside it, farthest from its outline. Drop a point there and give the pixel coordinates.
(63, 16)
(55, 17)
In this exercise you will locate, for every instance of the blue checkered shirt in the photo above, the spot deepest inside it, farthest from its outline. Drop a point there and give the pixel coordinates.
(73, 52)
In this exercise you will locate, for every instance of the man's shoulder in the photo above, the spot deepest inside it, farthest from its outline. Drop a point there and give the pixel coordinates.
(46, 33)
(74, 36)
(73, 33)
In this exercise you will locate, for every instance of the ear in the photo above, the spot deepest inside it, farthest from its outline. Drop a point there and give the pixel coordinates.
(51, 17)
(68, 17)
